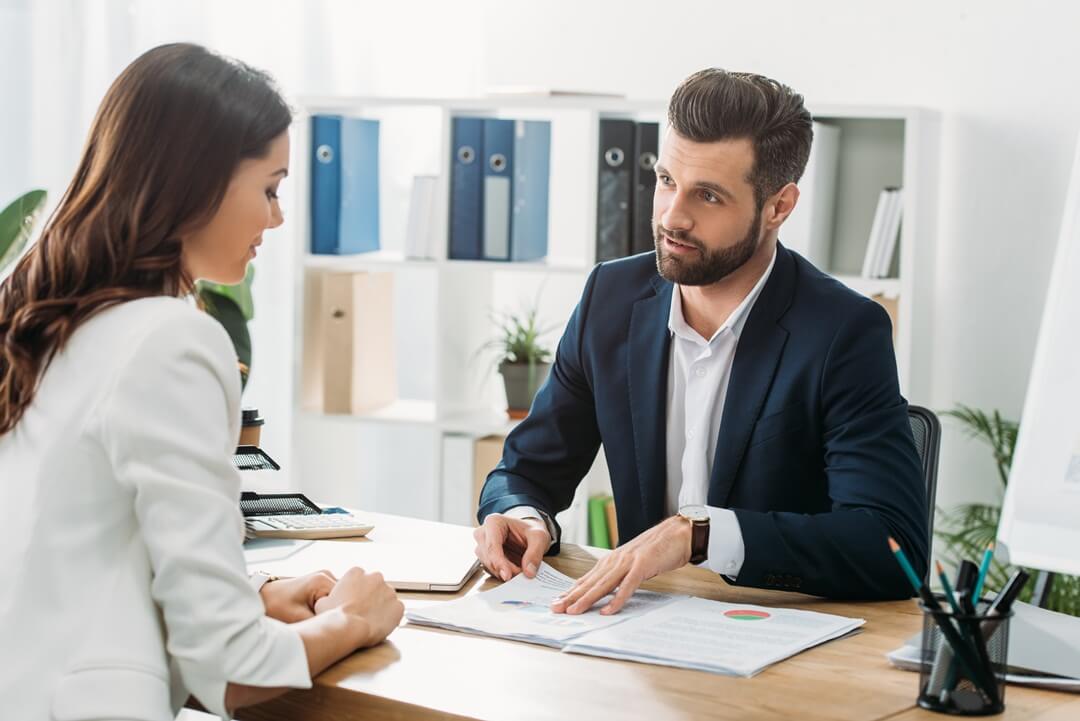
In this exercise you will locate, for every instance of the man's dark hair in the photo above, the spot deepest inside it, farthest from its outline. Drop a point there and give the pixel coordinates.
(715, 104)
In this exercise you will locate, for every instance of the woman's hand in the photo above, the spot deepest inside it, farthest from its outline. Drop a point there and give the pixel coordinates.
(365, 596)
(293, 599)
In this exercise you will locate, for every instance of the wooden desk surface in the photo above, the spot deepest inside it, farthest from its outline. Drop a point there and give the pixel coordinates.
(425, 673)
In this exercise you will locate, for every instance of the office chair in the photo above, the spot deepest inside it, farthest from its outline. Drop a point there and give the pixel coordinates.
(927, 433)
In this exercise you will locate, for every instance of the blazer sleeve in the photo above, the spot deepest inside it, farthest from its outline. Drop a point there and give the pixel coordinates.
(167, 427)
(547, 454)
(874, 479)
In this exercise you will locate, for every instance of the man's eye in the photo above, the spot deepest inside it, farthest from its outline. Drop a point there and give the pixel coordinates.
(271, 194)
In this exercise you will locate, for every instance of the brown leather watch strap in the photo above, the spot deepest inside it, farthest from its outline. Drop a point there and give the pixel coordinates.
(699, 541)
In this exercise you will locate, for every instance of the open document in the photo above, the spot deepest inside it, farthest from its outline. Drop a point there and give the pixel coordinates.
(681, 631)
(735, 639)
(520, 610)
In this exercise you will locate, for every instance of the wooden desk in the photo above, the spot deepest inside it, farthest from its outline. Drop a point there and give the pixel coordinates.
(424, 673)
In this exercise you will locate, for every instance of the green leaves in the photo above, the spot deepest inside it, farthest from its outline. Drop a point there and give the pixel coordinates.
(239, 294)
(233, 307)
(995, 431)
(17, 223)
(520, 338)
(967, 530)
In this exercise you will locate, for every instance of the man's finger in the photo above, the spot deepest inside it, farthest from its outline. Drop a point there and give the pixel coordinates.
(574, 592)
(493, 549)
(599, 570)
(599, 589)
(584, 585)
(627, 587)
(534, 554)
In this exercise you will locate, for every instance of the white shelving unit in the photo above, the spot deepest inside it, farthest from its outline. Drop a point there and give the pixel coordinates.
(390, 460)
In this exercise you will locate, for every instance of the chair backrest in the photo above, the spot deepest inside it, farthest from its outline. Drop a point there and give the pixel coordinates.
(927, 432)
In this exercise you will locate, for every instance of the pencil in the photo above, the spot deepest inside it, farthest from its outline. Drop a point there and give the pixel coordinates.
(949, 595)
(976, 594)
(961, 650)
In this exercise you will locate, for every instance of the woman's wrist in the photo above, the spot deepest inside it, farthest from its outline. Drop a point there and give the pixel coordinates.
(355, 629)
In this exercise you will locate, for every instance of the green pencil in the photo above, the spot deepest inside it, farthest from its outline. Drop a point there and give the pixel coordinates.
(976, 593)
(905, 564)
(949, 595)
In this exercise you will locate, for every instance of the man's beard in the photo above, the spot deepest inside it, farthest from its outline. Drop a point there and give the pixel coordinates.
(711, 266)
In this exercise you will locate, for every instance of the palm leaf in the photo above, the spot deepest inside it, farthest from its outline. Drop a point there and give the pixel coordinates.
(966, 530)
(997, 432)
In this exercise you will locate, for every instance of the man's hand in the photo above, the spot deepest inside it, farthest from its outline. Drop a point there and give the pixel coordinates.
(507, 546)
(293, 599)
(664, 547)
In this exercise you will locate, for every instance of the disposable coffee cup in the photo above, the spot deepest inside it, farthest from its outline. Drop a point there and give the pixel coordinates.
(251, 424)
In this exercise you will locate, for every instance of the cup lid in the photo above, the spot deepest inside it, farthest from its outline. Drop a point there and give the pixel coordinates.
(250, 417)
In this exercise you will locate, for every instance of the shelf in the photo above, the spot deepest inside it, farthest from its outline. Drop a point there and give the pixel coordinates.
(478, 423)
(402, 411)
(442, 307)
(380, 260)
(499, 266)
(486, 104)
(384, 260)
(889, 287)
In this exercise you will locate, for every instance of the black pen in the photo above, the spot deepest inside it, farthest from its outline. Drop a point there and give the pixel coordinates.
(966, 577)
(1007, 596)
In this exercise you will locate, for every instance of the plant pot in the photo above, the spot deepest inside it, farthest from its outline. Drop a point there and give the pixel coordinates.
(522, 380)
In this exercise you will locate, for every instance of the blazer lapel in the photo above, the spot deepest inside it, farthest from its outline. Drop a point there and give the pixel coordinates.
(647, 359)
(756, 358)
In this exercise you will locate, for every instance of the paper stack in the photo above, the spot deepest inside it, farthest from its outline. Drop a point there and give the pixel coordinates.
(680, 631)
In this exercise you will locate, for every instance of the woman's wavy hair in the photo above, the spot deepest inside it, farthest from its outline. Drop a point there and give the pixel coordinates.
(161, 152)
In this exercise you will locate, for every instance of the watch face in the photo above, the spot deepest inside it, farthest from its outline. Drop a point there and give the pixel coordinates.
(694, 513)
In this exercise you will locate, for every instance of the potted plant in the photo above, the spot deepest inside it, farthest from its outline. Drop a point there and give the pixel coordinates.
(233, 307)
(17, 223)
(523, 359)
(966, 530)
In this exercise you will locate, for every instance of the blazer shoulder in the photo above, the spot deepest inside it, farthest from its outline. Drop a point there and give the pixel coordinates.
(635, 275)
(827, 299)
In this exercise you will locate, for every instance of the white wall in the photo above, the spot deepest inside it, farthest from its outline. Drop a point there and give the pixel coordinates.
(14, 94)
(1001, 75)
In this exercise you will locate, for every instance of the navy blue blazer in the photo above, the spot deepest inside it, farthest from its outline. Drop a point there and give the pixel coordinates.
(815, 453)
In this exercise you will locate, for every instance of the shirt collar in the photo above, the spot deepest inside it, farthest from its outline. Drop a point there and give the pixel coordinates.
(736, 321)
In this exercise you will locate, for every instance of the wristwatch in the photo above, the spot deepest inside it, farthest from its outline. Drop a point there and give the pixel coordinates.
(698, 516)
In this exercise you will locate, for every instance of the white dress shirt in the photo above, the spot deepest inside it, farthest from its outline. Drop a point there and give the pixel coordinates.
(124, 582)
(698, 375)
(699, 372)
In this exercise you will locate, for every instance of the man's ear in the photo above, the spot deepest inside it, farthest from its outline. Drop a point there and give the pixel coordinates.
(779, 206)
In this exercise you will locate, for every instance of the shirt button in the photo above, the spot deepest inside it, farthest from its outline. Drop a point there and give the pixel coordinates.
(700, 372)
(690, 435)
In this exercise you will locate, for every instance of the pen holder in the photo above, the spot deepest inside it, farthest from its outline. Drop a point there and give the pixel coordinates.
(969, 681)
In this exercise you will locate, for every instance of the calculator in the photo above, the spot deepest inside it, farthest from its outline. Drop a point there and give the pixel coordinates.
(294, 515)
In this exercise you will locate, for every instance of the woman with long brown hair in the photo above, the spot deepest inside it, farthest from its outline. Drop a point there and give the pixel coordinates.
(125, 588)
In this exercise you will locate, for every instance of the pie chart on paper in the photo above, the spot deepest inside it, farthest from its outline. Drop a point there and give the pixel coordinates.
(746, 614)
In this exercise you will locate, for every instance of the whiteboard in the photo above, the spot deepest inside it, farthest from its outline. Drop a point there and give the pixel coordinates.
(1040, 519)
